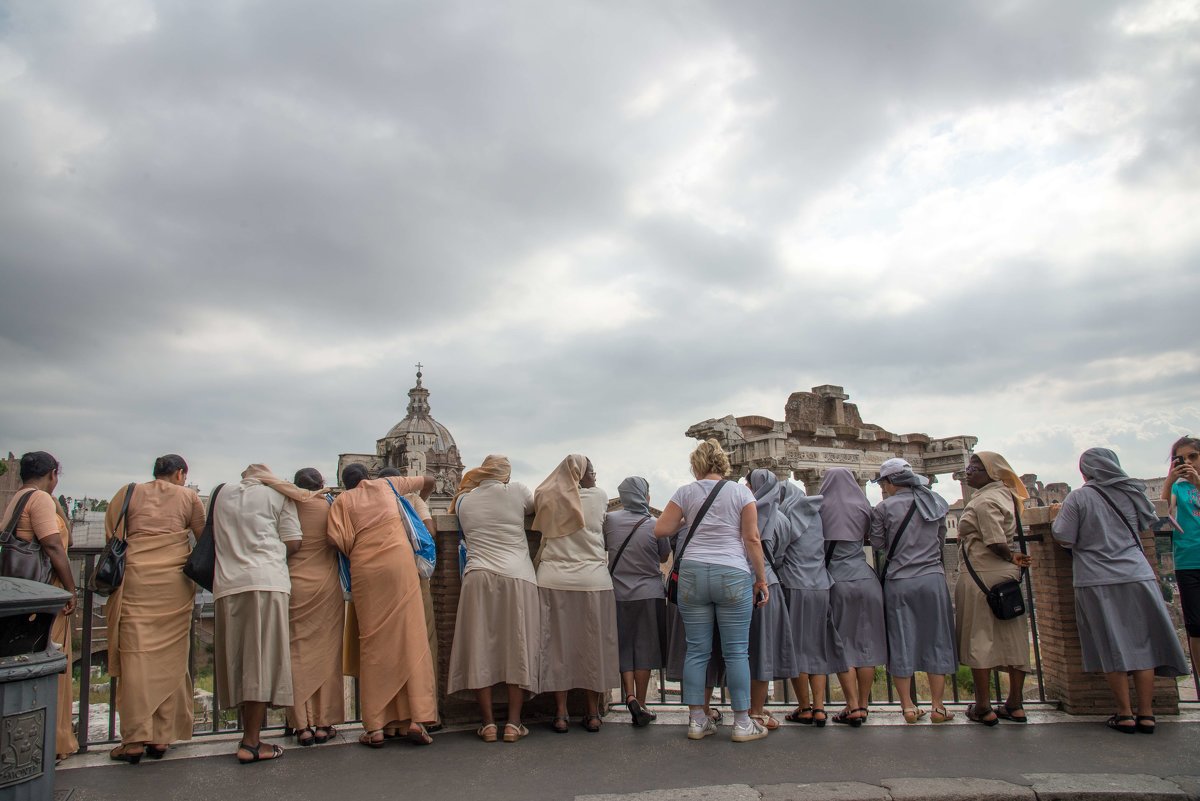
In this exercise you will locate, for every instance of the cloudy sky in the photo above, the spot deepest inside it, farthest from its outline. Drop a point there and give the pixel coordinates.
(229, 229)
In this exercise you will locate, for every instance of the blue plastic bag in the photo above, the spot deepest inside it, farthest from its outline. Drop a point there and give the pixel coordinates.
(343, 561)
(423, 545)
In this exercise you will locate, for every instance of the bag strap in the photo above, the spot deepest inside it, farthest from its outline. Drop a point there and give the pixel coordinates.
(124, 512)
(779, 506)
(212, 499)
(829, 548)
(896, 540)
(1136, 539)
(612, 568)
(10, 530)
(1020, 543)
(712, 496)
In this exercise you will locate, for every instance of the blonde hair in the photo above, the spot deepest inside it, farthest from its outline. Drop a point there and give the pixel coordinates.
(709, 457)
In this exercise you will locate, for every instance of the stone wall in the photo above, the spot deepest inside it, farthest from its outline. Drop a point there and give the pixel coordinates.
(1054, 596)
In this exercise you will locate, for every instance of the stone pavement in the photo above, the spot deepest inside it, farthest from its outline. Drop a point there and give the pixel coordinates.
(1063, 761)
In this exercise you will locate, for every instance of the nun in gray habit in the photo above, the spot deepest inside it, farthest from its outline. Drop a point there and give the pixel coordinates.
(635, 558)
(909, 526)
(1123, 622)
(772, 656)
(855, 599)
(806, 583)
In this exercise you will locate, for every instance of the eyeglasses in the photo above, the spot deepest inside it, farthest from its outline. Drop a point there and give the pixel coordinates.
(974, 468)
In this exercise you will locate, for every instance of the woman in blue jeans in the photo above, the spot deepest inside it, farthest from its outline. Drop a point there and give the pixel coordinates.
(721, 577)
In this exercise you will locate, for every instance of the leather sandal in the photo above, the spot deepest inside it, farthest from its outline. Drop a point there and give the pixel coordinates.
(154, 752)
(487, 732)
(367, 738)
(304, 741)
(321, 739)
(819, 722)
(1142, 727)
(913, 714)
(276, 752)
(1115, 722)
(1005, 712)
(121, 754)
(591, 726)
(418, 736)
(561, 725)
(797, 716)
(989, 717)
(939, 714)
(514, 732)
(766, 720)
(844, 717)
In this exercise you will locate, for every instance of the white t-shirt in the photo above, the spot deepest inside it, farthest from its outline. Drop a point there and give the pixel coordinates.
(718, 538)
(251, 523)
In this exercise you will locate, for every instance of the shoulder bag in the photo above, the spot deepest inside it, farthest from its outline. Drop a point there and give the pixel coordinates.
(422, 542)
(673, 579)
(110, 566)
(896, 542)
(613, 567)
(21, 559)
(1004, 598)
(201, 566)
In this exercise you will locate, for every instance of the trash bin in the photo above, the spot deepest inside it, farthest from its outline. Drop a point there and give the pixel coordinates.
(29, 668)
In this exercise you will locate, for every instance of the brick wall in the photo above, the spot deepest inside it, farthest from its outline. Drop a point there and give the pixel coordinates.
(1054, 597)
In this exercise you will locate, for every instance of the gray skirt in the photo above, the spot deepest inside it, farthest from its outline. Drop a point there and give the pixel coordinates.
(772, 655)
(253, 654)
(815, 641)
(642, 634)
(677, 651)
(497, 634)
(1125, 627)
(857, 611)
(579, 640)
(920, 626)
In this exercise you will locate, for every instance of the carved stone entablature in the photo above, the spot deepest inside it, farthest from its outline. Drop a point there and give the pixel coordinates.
(821, 430)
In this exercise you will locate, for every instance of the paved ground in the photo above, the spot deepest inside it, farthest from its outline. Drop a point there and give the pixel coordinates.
(621, 760)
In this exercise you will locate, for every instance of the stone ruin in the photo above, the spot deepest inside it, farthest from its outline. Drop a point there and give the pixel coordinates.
(821, 430)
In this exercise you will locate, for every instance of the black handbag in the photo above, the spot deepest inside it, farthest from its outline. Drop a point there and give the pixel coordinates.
(110, 566)
(673, 578)
(201, 565)
(21, 559)
(1005, 598)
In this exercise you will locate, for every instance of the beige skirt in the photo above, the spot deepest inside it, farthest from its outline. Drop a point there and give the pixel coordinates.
(985, 641)
(497, 634)
(253, 652)
(579, 640)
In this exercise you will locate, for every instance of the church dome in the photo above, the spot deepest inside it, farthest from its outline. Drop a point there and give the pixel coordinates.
(418, 426)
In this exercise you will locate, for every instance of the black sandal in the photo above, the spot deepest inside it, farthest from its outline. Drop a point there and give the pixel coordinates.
(1005, 712)
(844, 717)
(1115, 722)
(305, 742)
(819, 722)
(321, 739)
(797, 716)
(564, 728)
(975, 716)
(1142, 727)
(276, 752)
(119, 754)
(156, 753)
(587, 723)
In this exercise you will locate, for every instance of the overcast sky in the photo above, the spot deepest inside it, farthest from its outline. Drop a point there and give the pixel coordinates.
(229, 229)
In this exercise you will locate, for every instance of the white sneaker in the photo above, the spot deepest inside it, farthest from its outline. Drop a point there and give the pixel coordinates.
(698, 731)
(744, 734)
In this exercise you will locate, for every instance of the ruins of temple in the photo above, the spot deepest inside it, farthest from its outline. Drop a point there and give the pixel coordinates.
(820, 430)
(417, 446)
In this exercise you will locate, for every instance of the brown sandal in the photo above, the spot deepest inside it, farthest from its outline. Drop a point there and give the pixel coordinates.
(589, 725)
(367, 738)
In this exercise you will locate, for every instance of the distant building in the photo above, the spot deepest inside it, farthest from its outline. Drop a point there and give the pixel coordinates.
(10, 482)
(417, 446)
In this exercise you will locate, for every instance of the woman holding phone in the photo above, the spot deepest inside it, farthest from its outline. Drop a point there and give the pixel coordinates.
(1182, 491)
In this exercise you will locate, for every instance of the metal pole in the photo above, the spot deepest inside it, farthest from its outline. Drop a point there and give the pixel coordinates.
(85, 660)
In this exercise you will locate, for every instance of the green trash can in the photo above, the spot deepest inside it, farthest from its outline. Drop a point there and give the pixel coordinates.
(29, 668)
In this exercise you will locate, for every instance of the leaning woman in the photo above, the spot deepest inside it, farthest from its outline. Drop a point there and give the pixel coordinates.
(771, 650)
(635, 558)
(986, 533)
(150, 614)
(579, 612)
(721, 577)
(909, 526)
(1123, 623)
(316, 616)
(855, 599)
(44, 518)
(498, 630)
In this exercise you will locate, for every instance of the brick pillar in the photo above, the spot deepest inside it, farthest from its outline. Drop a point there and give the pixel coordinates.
(1079, 693)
